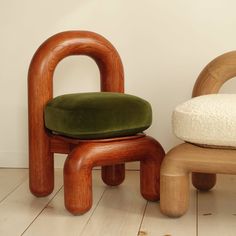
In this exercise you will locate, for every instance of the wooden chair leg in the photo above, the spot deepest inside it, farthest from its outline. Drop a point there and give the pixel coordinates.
(41, 170)
(203, 182)
(150, 172)
(187, 158)
(77, 184)
(113, 175)
(174, 195)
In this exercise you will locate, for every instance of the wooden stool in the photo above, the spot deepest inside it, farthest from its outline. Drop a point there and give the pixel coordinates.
(110, 153)
(204, 161)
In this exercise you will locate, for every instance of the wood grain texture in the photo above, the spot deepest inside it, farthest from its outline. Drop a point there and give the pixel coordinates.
(156, 224)
(204, 162)
(79, 163)
(40, 91)
(215, 74)
(210, 80)
(111, 154)
(182, 160)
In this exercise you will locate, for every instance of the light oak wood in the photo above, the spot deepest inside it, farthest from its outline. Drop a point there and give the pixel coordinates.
(210, 80)
(203, 162)
(215, 74)
(154, 223)
(181, 161)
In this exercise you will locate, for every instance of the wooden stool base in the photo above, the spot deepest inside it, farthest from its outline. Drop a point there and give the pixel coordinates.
(184, 159)
(79, 163)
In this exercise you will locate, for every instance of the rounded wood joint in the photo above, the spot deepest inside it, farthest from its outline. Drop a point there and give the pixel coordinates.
(78, 181)
(210, 80)
(150, 170)
(85, 156)
(177, 165)
(215, 74)
(65, 44)
(174, 184)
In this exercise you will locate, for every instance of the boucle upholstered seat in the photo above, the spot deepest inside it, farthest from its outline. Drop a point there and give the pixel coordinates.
(207, 120)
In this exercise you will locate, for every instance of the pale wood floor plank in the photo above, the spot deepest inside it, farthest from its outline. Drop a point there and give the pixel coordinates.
(120, 210)
(217, 208)
(156, 224)
(116, 211)
(20, 208)
(56, 220)
(10, 179)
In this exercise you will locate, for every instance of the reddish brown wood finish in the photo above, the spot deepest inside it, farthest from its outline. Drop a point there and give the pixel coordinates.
(40, 91)
(86, 155)
(111, 154)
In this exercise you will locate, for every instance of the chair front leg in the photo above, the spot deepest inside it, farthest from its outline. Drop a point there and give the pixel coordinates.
(77, 183)
(150, 170)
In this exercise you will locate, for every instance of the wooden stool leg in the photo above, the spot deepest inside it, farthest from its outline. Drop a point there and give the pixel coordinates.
(150, 171)
(77, 184)
(150, 180)
(113, 175)
(203, 182)
(174, 195)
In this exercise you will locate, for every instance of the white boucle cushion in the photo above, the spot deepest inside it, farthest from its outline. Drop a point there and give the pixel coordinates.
(208, 120)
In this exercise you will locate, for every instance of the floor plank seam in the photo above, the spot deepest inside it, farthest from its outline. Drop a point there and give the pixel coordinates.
(140, 226)
(13, 190)
(197, 192)
(84, 227)
(42, 210)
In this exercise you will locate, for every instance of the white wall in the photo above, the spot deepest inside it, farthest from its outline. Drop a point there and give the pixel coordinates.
(164, 45)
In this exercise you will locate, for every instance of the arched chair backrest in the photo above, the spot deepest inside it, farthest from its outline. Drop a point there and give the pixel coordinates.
(59, 46)
(215, 74)
(40, 91)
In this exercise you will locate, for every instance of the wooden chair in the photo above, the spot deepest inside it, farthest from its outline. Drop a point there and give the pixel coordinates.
(203, 160)
(109, 153)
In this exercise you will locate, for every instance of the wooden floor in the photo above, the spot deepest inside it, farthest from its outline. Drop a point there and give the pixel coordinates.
(117, 211)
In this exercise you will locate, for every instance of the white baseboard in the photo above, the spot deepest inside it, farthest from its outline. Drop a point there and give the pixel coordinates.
(20, 160)
(14, 159)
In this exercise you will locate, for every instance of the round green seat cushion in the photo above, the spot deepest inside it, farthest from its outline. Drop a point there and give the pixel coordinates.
(97, 115)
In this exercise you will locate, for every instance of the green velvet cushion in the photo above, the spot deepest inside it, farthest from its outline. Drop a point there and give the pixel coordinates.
(97, 115)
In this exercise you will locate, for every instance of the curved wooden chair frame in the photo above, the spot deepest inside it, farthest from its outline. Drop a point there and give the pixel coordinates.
(111, 154)
(203, 162)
